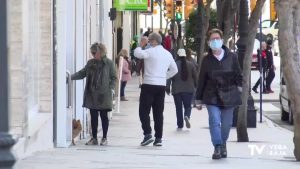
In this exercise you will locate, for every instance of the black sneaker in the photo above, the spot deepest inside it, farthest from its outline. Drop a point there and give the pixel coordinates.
(223, 151)
(147, 140)
(217, 152)
(255, 90)
(157, 142)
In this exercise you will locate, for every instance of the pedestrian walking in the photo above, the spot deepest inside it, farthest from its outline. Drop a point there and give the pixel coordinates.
(168, 41)
(183, 86)
(100, 85)
(263, 56)
(159, 66)
(126, 72)
(148, 32)
(133, 59)
(195, 64)
(219, 88)
(270, 67)
(162, 36)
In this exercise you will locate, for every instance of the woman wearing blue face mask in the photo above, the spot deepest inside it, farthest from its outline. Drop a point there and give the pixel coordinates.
(219, 88)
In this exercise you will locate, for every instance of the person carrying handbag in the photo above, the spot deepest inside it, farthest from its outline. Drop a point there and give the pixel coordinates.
(219, 88)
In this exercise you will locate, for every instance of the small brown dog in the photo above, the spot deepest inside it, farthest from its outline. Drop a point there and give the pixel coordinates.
(76, 129)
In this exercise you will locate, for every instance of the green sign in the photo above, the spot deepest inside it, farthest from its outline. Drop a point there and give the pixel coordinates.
(131, 5)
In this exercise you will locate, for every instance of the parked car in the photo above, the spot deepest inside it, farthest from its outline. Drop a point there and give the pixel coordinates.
(269, 28)
(285, 103)
(276, 47)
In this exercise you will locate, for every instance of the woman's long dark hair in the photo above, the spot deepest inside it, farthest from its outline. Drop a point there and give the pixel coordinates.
(184, 69)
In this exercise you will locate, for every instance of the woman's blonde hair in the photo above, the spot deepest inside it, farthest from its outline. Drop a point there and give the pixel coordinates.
(98, 47)
(102, 48)
(123, 53)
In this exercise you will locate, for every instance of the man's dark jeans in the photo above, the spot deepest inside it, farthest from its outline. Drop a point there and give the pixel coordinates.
(152, 96)
(269, 78)
(258, 81)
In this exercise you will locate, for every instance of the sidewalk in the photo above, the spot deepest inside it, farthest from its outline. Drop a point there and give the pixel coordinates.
(269, 146)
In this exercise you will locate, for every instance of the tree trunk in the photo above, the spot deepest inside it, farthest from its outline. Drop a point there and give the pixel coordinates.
(220, 4)
(289, 45)
(204, 12)
(251, 31)
(242, 134)
(225, 12)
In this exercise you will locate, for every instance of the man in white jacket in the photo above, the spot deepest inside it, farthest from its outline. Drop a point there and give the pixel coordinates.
(159, 66)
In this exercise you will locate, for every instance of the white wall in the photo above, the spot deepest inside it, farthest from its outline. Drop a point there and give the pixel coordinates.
(61, 50)
(70, 35)
(107, 28)
(266, 10)
(127, 26)
(94, 21)
(80, 61)
(16, 67)
(30, 71)
(146, 21)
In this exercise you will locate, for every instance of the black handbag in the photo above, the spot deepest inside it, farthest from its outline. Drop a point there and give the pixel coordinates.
(227, 91)
(229, 96)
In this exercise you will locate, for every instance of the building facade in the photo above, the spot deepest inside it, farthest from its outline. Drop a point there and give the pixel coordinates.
(30, 62)
(49, 40)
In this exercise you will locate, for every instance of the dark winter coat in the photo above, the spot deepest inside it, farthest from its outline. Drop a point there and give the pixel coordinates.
(180, 86)
(269, 56)
(219, 77)
(100, 81)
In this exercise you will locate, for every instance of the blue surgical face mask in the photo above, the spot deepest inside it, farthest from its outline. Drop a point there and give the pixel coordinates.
(216, 44)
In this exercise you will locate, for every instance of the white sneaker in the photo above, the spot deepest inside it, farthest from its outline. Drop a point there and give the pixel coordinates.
(103, 142)
(187, 122)
(92, 141)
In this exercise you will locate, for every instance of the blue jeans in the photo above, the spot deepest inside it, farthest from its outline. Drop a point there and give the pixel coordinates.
(220, 122)
(122, 90)
(184, 99)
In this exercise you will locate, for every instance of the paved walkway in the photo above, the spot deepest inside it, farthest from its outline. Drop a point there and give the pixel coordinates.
(269, 147)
